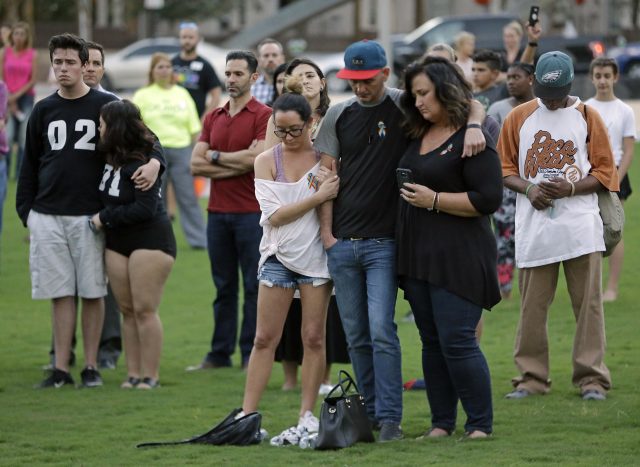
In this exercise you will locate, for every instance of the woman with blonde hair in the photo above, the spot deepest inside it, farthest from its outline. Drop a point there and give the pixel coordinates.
(18, 71)
(465, 45)
(512, 39)
(169, 111)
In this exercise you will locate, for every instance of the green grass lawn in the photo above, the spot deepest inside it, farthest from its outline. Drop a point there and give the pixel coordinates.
(102, 426)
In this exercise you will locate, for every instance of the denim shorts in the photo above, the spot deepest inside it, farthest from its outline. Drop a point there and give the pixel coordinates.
(274, 274)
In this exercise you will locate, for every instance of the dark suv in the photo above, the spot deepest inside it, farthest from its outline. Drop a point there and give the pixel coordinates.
(488, 32)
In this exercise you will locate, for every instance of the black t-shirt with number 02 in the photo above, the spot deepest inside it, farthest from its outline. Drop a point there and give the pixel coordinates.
(62, 168)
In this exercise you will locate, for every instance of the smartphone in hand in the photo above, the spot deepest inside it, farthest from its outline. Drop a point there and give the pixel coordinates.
(404, 176)
(534, 15)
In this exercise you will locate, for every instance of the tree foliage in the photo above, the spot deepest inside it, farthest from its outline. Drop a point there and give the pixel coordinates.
(194, 9)
(66, 10)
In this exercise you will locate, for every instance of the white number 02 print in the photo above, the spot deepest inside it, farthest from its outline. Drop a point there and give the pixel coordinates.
(57, 133)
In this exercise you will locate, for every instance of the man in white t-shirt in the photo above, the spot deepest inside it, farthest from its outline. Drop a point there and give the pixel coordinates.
(621, 126)
(556, 170)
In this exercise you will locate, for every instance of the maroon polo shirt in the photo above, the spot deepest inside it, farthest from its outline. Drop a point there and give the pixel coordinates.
(225, 133)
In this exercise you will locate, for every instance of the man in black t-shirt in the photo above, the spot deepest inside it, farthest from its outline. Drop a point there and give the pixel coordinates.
(357, 230)
(194, 72)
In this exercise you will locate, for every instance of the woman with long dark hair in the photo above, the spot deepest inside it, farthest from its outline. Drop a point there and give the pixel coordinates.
(446, 248)
(140, 245)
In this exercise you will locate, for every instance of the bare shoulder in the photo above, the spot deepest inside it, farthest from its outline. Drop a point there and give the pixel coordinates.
(264, 165)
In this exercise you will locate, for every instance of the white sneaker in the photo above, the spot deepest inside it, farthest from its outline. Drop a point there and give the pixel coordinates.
(308, 422)
(325, 389)
(290, 436)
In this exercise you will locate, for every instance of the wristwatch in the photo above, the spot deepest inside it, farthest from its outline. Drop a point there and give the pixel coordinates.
(215, 156)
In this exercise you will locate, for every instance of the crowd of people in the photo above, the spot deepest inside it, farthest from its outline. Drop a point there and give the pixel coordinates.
(481, 163)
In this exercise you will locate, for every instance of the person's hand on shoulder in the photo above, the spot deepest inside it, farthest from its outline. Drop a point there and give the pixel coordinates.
(146, 175)
(474, 142)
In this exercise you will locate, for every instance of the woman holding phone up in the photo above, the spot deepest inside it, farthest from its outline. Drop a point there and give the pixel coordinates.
(446, 247)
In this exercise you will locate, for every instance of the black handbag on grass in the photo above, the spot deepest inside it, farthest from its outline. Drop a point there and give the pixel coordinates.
(243, 431)
(343, 416)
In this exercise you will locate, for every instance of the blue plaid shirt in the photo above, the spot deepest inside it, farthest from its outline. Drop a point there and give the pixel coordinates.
(262, 90)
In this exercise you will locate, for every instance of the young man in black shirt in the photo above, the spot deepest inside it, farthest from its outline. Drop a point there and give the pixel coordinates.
(57, 190)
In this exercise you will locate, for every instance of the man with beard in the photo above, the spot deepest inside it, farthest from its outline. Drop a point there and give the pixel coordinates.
(232, 136)
(195, 73)
(270, 55)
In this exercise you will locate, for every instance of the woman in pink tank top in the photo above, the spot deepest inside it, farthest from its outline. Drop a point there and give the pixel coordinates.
(18, 69)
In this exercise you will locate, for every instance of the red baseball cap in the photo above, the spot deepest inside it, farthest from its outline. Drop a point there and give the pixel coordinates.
(363, 60)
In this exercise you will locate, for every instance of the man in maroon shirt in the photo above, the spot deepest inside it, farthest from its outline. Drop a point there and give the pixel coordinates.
(232, 137)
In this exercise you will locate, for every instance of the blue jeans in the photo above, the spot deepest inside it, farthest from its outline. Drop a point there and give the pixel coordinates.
(233, 242)
(17, 131)
(3, 184)
(452, 362)
(179, 174)
(364, 274)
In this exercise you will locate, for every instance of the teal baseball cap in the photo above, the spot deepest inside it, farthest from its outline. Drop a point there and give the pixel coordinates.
(553, 76)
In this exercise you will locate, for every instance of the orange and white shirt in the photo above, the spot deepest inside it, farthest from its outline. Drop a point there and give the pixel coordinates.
(537, 144)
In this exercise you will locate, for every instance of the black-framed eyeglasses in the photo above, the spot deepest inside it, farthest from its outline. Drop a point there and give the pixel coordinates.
(293, 132)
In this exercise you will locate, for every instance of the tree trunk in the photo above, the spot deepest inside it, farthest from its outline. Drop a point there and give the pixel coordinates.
(102, 13)
(85, 28)
(117, 13)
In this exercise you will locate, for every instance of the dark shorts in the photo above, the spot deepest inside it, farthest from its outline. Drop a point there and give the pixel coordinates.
(625, 188)
(155, 235)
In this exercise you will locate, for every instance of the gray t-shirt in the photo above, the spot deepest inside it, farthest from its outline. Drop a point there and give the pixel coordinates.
(369, 141)
(500, 109)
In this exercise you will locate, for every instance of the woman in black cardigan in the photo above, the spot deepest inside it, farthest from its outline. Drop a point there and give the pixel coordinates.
(446, 248)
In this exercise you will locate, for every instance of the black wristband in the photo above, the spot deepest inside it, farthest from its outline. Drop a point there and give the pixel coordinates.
(474, 125)
(215, 155)
(533, 44)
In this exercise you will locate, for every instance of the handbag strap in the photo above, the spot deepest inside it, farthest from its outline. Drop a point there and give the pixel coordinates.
(345, 383)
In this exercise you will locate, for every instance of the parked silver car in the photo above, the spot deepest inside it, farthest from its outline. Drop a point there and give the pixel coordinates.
(129, 67)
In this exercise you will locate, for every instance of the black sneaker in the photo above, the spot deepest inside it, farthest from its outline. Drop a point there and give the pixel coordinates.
(390, 432)
(107, 364)
(56, 379)
(91, 377)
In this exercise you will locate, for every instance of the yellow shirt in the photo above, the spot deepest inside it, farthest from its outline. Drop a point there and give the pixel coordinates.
(170, 113)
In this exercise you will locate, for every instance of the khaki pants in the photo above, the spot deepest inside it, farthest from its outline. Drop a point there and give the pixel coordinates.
(531, 354)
